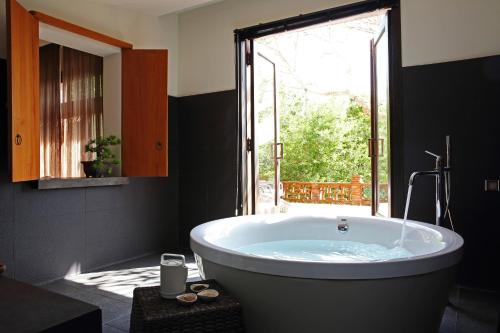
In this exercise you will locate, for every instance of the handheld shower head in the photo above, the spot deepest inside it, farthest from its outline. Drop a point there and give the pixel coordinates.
(448, 151)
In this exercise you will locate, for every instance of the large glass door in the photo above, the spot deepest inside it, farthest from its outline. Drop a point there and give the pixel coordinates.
(268, 149)
(379, 143)
(334, 98)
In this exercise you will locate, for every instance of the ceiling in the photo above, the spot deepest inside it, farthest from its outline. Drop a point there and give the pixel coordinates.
(156, 7)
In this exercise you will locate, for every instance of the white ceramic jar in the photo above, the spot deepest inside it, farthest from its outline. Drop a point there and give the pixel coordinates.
(173, 275)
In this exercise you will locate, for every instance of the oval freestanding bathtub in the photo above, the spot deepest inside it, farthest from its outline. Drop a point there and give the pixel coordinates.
(310, 274)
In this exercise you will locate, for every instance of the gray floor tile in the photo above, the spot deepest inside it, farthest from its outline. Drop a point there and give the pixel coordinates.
(111, 329)
(147, 261)
(478, 304)
(63, 287)
(123, 295)
(454, 295)
(111, 308)
(111, 288)
(122, 323)
(477, 311)
(449, 321)
(471, 325)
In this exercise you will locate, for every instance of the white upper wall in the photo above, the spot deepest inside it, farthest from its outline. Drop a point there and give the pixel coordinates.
(432, 31)
(156, 7)
(143, 31)
(436, 31)
(206, 41)
(201, 45)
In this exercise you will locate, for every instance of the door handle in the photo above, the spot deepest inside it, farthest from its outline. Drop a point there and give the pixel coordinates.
(280, 156)
(382, 147)
(370, 147)
(159, 145)
(19, 139)
(375, 151)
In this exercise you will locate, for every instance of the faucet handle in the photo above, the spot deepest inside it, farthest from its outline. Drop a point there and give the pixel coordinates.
(432, 154)
(439, 158)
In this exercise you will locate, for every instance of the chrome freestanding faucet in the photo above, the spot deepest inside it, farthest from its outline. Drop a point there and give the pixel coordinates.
(441, 173)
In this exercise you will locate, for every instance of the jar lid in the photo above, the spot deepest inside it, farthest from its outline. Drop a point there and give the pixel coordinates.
(172, 262)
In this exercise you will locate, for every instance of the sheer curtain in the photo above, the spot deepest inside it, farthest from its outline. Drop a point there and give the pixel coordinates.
(80, 114)
(50, 117)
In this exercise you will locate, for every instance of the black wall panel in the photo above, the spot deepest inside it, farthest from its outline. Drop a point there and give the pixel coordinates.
(208, 126)
(460, 98)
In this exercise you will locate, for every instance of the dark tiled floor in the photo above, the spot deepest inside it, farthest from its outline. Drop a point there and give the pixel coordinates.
(112, 288)
(470, 311)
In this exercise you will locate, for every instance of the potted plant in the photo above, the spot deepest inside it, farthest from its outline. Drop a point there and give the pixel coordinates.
(103, 164)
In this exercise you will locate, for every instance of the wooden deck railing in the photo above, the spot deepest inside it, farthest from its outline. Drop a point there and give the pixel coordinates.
(353, 193)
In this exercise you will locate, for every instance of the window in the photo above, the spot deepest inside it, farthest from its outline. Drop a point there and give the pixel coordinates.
(71, 109)
(136, 99)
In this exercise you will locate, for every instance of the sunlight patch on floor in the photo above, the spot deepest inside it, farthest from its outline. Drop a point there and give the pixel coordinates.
(124, 281)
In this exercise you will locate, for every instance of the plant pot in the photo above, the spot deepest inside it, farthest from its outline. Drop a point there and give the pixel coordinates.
(105, 170)
(89, 169)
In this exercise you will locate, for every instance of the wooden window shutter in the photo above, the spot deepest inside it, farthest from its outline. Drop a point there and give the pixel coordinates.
(144, 113)
(23, 93)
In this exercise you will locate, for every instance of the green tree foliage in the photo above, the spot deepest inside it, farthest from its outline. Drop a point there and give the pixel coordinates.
(354, 148)
(324, 142)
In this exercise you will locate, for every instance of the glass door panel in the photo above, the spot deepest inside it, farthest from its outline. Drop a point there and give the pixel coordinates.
(380, 123)
(266, 137)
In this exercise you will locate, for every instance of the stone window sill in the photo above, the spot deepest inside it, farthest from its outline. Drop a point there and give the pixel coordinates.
(56, 183)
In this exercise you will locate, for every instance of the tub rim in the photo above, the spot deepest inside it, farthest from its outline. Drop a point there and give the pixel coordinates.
(420, 264)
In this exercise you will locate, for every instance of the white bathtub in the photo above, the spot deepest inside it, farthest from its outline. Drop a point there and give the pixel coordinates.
(279, 295)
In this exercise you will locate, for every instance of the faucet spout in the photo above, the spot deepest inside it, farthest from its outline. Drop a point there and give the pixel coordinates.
(441, 173)
(422, 173)
(438, 173)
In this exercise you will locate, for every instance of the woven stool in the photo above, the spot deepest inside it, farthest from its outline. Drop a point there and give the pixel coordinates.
(152, 313)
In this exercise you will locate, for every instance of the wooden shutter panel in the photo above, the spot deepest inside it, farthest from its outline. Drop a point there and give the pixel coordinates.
(144, 113)
(23, 92)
